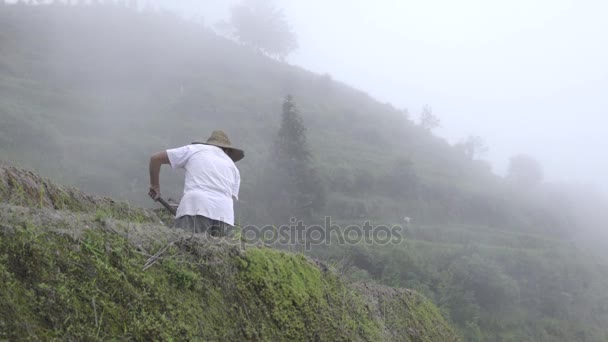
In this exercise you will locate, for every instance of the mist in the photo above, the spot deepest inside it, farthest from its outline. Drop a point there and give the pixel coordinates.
(475, 127)
(527, 76)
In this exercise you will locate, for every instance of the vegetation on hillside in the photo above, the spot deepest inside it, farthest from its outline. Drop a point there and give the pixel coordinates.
(262, 26)
(86, 102)
(102, 276)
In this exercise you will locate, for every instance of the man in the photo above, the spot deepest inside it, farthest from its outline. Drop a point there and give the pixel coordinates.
(212, 183)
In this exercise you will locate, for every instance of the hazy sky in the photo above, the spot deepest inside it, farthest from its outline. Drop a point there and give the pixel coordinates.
(526, 75)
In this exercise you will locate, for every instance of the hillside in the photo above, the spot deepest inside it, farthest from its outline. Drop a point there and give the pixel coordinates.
(75, 266)
(88, 93)
(87, 103)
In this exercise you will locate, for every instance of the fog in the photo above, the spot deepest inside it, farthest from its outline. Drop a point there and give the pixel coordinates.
(88, 92)
(526, 76)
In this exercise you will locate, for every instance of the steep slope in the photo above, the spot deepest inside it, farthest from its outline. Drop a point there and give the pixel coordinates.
(88, 93)
(103, 270)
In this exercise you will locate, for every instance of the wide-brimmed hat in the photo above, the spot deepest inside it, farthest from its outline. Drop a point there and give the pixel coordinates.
(220, 139)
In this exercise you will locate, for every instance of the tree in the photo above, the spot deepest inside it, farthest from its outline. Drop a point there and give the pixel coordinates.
(257, 23)
(472, 147)
(428, 121)
(525, 171)
(298, 189)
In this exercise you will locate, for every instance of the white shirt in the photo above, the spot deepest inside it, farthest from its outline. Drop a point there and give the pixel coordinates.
(212, 180)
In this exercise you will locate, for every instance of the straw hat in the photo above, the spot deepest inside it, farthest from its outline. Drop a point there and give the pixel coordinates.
(220, 139)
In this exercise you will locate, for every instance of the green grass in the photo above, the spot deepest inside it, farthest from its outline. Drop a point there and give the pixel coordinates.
(54, 287)
(532, 280)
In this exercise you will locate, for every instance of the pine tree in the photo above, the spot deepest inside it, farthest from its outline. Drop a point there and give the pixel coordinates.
(298, 189)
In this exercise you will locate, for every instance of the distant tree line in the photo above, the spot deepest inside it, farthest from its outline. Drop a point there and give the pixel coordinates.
(264, 27)
(259, 24)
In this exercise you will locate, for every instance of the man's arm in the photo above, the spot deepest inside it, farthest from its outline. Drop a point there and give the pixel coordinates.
(156, 161)
(237, 184)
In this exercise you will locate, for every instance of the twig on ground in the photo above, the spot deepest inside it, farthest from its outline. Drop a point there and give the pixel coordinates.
(153, 259)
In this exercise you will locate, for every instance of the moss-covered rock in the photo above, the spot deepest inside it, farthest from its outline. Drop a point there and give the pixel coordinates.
(86, 276)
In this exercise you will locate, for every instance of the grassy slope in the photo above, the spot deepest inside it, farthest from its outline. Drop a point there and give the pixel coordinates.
(510, 286)
(82, 275)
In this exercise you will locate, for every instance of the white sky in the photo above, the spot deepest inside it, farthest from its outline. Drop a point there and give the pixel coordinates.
(527, 75)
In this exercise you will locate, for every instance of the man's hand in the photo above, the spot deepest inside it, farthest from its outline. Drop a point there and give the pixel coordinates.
(156, 161)
(154, 192)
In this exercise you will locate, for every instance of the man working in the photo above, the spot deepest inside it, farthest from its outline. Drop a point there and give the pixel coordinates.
(211, 184)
